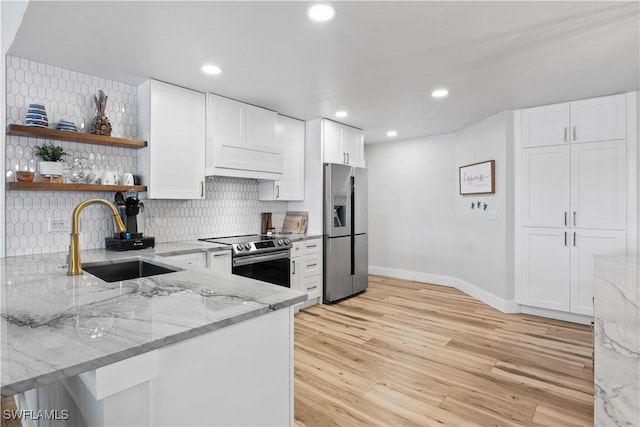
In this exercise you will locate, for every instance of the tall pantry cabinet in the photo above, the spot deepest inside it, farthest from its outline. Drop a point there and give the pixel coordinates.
(574, 198)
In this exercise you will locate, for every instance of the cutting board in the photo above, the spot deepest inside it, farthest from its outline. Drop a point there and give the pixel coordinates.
(295, 222)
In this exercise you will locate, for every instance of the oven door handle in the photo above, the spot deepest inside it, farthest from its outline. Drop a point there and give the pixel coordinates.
(259, 258)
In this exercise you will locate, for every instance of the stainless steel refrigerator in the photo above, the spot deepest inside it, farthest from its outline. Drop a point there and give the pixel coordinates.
(346, 255)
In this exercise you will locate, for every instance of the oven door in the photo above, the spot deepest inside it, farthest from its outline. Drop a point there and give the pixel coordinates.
(272, 268)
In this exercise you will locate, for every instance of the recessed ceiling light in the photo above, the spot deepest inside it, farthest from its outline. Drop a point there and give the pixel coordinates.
(321, 12)
(341, 114)
(392, 133)
(440, 93)
(211, 69)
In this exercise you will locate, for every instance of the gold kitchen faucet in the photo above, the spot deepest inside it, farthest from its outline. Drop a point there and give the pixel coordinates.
(75, 266)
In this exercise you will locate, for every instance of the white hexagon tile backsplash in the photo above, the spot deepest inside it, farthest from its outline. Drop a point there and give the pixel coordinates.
(231, 205)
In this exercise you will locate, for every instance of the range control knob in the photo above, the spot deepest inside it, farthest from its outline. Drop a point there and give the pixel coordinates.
(287, 241)
(280, 242)
(247, 246)
(239, 247)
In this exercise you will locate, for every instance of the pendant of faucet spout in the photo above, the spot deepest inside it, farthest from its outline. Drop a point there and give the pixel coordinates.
(75, 266)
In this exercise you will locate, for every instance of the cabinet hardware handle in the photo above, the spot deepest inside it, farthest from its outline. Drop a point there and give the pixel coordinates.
(312, 265)
(565, 218)
(277, 191)
(565, 238)
(311, 246)
(565, 134)
(313, 287)
(574, 133)
(294, 267)
(201, 188)
(574, 218)
(574, 239)
(348, 160)
(344, 158)
(217, 255)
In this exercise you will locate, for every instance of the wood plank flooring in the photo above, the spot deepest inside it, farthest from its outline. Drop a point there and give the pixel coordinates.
(408, 353)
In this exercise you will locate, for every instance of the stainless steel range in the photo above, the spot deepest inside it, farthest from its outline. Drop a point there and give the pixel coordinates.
(259, 257)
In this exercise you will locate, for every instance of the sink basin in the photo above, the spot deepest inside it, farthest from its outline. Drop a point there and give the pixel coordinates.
(126, 269)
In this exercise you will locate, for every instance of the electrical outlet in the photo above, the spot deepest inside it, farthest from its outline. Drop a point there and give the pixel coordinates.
(59, 225)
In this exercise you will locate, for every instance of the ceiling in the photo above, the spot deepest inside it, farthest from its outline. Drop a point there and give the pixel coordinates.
(377, 60)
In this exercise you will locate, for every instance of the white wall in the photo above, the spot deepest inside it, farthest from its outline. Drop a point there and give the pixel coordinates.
(484, 246)
(412, 190)
(421, 228)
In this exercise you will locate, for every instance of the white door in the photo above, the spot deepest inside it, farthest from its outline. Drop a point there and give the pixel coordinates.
(598, 119)
(587, 244)
(332, 142)
(546, 186)
(261, 126)
(296, 273)
(598, 185)
(545, 268)
(226, 125)
(220, 261)
(176, 142)
(546, 125)
(291, 138)
(353, 145)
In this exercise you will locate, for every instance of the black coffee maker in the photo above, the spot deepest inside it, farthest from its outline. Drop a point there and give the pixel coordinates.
(129, 206)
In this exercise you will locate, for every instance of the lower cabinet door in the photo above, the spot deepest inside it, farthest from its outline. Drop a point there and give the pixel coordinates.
(220, 261)
(546, 254)
(585, 245)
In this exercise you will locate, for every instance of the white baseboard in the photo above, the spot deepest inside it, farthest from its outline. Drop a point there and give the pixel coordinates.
(435, 279)
(558, 315)
(505, 306)
(501, 304)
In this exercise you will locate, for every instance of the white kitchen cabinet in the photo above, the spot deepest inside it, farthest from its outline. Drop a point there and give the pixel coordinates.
(598, 185)
(220, 261)
(546, 255)
(587, 120)
(582, 185)
(241, 140)
(546, 186)
(585, 245)
(290, 136)
(598, 119)
(342, 144)
(557, 266)
(172, 120)
(306, 269)
(195, 259)
(546, 125)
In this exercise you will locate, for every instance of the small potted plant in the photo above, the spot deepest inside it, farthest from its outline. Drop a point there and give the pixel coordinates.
(51, 159)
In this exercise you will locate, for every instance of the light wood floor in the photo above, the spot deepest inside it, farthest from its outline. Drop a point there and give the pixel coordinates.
(408, 353)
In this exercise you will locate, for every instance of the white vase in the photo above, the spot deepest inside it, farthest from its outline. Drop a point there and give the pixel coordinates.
(50, 168)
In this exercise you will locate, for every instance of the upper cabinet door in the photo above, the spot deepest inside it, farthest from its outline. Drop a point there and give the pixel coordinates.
(261, 125)
(291, 137)
(175, 165)
(227, 118)
(598, 119)
(599, 185)
(353, 145)
(332, 142)
(547, 125)
(546, 186)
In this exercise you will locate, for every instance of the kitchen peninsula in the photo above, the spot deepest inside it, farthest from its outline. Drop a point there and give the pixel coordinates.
(191, 347)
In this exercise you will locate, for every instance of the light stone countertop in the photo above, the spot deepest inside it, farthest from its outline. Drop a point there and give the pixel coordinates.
(617, 341)
(54, 326)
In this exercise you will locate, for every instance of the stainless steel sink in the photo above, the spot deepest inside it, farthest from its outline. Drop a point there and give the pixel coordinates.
(126, 269)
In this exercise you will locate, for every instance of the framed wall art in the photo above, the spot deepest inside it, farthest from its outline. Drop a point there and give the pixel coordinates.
(478, 178)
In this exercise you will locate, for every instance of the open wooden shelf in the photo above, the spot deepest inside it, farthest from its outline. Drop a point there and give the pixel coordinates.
(61, 135)
(46, 186)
